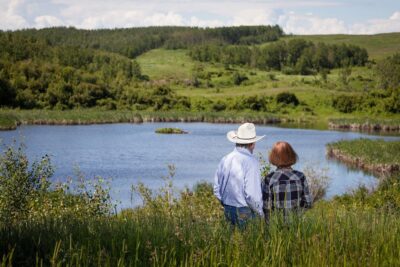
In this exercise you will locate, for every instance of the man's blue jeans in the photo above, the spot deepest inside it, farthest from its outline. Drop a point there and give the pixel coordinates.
(238, 216)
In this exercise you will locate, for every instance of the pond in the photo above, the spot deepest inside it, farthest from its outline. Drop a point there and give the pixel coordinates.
(132, 153)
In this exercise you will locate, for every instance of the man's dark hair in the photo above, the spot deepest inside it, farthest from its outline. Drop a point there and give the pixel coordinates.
(243, 145)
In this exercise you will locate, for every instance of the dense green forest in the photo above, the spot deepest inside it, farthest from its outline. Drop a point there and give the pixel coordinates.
(67, 68)
(296, 56)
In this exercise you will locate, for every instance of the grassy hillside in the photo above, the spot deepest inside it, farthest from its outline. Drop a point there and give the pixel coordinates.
(42, 75)
(166, 64)
(378, 46)
(174, 67)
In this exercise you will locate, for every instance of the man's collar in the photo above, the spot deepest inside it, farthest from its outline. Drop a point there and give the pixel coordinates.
(243, 151)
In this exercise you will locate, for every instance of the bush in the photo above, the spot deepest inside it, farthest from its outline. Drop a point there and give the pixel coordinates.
(21, 182)
(219, 106)
(345, 103)
(26, 192)
(392, 104)
(287, 98)
(239, 78)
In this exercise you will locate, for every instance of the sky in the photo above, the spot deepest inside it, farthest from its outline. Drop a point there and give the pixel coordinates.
(294, 16)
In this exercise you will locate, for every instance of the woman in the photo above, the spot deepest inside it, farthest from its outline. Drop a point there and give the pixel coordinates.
(285, 189)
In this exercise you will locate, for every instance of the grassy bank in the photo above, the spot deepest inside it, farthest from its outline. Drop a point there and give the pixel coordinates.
(42, 226)
(377, 156)
(366, 124)
(96, 116)
(8, 122)
(10, 119)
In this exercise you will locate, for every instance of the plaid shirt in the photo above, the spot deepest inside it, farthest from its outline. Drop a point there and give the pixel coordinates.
(286, 190)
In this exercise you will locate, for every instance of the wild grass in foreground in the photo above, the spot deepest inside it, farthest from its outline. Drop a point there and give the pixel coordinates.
(187, 229)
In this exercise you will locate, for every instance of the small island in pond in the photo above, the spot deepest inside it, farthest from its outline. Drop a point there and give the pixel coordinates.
(170, 131)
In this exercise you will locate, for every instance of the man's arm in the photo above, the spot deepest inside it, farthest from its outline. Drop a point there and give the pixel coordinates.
(217, 181)
(252, 187)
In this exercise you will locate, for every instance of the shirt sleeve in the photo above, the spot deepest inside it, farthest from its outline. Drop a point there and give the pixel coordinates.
(267, 197)
(217, 181)
(306, 199)
(252, 187)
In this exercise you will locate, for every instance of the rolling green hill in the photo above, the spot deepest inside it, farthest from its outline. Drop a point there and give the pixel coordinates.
(378, 46)
(183, 74)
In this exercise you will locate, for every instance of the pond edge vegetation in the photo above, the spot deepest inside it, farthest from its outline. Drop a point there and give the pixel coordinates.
(170, 131)
(357, 153)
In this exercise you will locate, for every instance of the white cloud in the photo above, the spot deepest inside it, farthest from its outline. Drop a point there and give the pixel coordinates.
(196, 22)
(10, 17)
(391, 24)
(164, 19)
(110, 19)
(310, 24)
(395, 16)
(254, 17)
(47, 21)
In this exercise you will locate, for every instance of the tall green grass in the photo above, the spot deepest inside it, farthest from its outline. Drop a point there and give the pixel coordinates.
(195, 234)
(7, 122)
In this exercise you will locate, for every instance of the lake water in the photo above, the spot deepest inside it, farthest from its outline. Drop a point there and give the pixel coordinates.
(132, 153)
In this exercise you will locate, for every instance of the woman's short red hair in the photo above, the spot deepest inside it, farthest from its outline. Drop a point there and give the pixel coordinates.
(282, 155)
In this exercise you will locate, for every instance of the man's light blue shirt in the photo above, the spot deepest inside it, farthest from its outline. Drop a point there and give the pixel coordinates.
(237, 181)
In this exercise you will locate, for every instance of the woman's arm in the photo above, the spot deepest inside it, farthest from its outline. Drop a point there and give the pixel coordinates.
(306, 198)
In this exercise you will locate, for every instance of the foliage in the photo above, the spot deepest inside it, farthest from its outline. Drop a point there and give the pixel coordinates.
(318, 182)
(346, 103)
(388, 71)
(239, 78)
(296, 56)
(287, 98)
(370, 151)
(344, 75)
(170, 131)
(21, 183)
(385, 197)
(26, 192)
(371, 101)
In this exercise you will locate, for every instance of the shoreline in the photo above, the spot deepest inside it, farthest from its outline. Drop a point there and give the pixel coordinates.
(87, 117)
(13, 118)
(377, 169)
(364, 127)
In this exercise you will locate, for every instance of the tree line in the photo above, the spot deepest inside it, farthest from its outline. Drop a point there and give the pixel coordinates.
(296, 56)
(132, 42)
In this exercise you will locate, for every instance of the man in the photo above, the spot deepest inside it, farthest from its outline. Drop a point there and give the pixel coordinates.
(237, 182)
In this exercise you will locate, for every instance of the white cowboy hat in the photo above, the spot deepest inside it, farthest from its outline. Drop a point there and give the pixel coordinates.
(246, 134)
